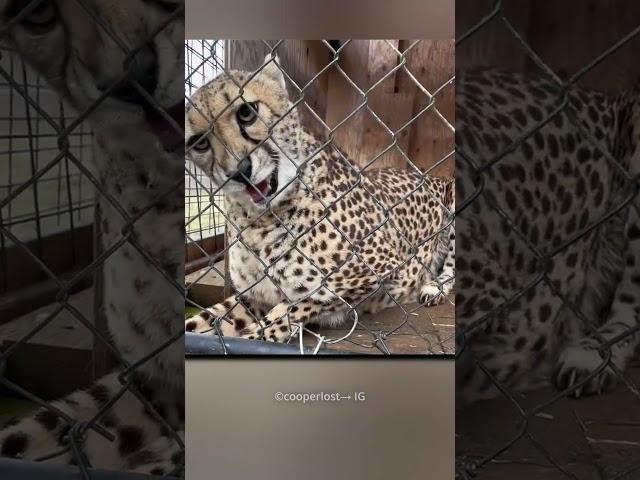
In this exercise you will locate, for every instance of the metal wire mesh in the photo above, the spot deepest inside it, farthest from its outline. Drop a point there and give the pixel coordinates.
(62, 200)
(501, 316)
(413, 322)
(204, 59)
(49, 183)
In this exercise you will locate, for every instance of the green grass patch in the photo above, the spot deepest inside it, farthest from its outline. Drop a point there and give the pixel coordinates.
(11, 408)
(190, 311)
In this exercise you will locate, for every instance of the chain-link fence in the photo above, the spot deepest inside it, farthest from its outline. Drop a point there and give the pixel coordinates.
(372, 108)
(72, 192)
(548, 199)
(63, 199)
(204, 60)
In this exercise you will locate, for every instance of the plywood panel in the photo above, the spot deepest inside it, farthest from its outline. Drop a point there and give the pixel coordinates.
(343, 99)
(432, 64)
(492, 45)
(392, 106)
(392, 96)
(570, 34)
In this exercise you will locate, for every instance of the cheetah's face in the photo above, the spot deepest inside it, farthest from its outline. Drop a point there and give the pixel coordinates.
(84, 48)
(240, 130)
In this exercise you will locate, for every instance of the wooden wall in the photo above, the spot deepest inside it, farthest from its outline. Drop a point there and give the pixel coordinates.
(395, 100)
(566, 35)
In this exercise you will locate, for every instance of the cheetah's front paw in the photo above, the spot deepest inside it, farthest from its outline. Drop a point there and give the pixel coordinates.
(274, 328)
(272, 333)
(432, 294)
(577, 363)
(212, 322)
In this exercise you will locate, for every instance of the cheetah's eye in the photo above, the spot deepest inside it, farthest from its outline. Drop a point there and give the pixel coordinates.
(199, 143)
(247, 113)
(42, 18)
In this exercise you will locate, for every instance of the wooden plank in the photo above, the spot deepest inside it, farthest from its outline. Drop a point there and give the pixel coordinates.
(194, 251)
(392, 107)
(302, 60)
(35, 365)
(63, 331)
(21, 301)
(432, 64)
(382, 60)
(246, 54)
(206, 287)
(493, 44)
(567, 46)
(393, 100)
(57, 254)
(343, 98)
(375, 139)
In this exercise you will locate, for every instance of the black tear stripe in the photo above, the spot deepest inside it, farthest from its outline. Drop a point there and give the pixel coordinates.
(130, 439)
(272, 153)
(48, 419)
(246, 136)
(164, 5)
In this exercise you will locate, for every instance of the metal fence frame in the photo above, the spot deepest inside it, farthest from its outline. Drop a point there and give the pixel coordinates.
(466, 468)
(321, 341)
(64, 131)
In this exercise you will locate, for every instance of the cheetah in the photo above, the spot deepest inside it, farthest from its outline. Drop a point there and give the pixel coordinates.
(312, 237)
(550, 233)
(133, 418)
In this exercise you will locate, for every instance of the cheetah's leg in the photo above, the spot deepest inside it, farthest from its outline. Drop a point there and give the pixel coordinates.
(379, 302)
(234, 316)
(391, 296)
(279, 321)
(442, 272)
(579, 361)
(493, 335)
(133, 427)
(163, 457)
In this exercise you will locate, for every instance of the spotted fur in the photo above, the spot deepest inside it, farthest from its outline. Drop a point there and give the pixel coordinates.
(311, 236)
(138, 171)
(547, 273)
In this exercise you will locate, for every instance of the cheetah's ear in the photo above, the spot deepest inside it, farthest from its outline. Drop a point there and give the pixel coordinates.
(271, 69)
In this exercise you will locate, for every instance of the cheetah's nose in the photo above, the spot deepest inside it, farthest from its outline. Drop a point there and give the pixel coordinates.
(144, 70)
(243, 172)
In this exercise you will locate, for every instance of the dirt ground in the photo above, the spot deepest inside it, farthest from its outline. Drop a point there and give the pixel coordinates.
(425, 331)
(407, 330)
(594, 438)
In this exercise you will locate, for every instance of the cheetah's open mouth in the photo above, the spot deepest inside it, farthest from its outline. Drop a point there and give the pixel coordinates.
(159, 124)
(260, 192)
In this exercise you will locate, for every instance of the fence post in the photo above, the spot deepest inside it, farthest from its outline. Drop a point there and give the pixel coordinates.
(102, 359)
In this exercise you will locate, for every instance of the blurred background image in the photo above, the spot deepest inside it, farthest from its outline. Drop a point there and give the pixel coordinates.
(547, 369)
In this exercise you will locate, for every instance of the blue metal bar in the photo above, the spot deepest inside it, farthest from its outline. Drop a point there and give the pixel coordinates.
(197, 344)
(26, 470)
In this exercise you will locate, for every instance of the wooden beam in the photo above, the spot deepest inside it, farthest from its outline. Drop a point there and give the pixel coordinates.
(61, 253)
